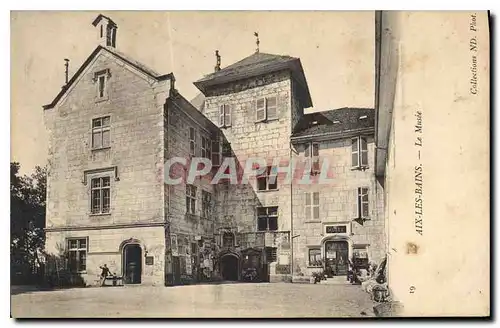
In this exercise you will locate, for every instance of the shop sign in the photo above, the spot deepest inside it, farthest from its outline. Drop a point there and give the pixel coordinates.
(336, 229)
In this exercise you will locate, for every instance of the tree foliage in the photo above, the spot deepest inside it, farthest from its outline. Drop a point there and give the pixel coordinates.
(27, 220)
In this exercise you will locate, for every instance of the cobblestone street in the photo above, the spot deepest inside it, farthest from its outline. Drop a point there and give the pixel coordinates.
(217, 301)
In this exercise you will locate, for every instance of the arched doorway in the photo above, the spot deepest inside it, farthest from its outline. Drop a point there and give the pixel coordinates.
(132, 263)
(229, 267)
(336, 257)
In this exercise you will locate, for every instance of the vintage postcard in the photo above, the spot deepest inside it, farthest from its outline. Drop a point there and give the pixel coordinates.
(195, 164)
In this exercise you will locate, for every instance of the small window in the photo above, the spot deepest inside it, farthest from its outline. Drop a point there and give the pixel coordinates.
(362, 202)
(267, 218)
(101, 132)
(266, 108)
(190, 199)
(315, 257)
(100, 195)
(206, 204)
(268, 180)
(359, 151)
(77, 254)
(206, 148)
(312, 206)
(224, 115)
(192, 142)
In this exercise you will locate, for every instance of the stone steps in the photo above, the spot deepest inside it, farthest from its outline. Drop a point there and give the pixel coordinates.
(338, 280)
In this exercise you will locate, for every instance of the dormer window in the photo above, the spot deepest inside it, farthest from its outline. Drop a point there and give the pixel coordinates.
(101, 79)
(266, 109)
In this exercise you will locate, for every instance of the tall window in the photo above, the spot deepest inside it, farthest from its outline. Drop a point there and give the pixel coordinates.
(206, 204)
(268, 180)
(192, 141)
(312, 206)
(190, 199)
(101, 192)
(101, 78)
(101, 132)
(362, 202)
(77, 254)
(312, 152)
(206, 148)
(216, 153)
(315, 257)
(359, 153)
(267, 218)
(224, 115)
(266, 109)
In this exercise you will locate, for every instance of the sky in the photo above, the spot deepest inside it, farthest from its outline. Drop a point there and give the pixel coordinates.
(336, 50)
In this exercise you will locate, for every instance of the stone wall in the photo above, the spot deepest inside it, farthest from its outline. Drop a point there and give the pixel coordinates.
(338, 204)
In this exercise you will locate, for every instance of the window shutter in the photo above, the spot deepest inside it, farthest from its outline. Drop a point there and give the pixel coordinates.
(364, 203)
(355, 152)
(215, 153)
(272, 107)
(221, 115)
(260, 110)
(364, 152)
(355, 203)
(227, 115)
(308, 206)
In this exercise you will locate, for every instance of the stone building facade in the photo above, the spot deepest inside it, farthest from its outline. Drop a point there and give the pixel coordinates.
(115, 125)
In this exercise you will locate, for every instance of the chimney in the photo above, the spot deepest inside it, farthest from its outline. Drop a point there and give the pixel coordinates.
(217, 65)
(66, 71)
(106, 31)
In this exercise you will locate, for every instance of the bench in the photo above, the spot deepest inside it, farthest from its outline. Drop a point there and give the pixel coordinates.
(115, 280)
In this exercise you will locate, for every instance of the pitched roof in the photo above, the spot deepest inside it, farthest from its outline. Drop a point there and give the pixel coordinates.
(199, 102)
(139, 66)
(101, 16)
(335, 120)
(256, 64)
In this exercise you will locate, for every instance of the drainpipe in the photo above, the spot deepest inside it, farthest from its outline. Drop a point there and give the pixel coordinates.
(291, 215)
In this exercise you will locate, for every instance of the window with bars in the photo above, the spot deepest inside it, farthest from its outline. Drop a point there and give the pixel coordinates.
(315, 257)
(266, 109)
(190, 199)
(224, 115)
(100, 195)
(359, 152)
(362, 203)
(206, 204)
(268, 180)
(101, 132)
(312, 206)
(206, 148)
(192, 141)
(77, 254)
(267, 218)
(271, 254)
(312, 152)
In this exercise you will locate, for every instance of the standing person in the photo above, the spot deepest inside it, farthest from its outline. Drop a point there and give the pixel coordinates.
(104, 273)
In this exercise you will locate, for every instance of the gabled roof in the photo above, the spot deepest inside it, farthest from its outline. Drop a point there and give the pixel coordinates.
(139, 66)
(257, 64)
(334, 121)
